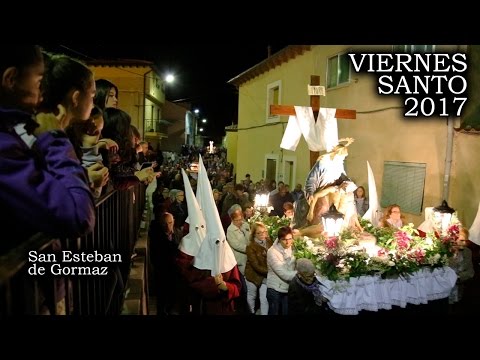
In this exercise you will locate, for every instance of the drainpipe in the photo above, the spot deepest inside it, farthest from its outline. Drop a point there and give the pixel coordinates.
(449, 152)
(448, 158)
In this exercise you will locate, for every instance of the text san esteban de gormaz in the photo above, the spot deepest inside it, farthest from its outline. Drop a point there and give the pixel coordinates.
(66, 263)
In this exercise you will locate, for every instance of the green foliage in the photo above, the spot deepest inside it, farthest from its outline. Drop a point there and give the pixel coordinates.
(272, 223)
(384, 235)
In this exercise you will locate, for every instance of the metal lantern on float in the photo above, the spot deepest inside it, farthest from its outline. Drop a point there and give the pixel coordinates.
(442, 215)
(332, 221)
(261, 203)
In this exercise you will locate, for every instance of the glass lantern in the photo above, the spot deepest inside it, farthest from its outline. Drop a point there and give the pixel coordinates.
(261, 203)
(332, 221)
(442, 216)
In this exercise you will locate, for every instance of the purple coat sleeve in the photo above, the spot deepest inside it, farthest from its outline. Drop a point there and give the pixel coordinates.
(51, 197)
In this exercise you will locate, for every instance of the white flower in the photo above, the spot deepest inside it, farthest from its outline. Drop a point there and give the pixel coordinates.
(309, 244)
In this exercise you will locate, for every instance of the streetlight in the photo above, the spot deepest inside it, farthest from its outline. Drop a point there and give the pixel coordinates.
(170, 78)
(195, 126)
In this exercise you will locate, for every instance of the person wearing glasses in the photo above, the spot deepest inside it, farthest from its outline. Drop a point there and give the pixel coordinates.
(256, 269)
(281, 270)
(304, 294)
(393, 217)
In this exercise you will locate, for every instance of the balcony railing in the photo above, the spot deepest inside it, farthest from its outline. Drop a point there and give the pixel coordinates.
(117, 224)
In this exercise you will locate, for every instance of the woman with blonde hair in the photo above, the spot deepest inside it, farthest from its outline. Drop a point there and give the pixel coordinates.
(256, 269)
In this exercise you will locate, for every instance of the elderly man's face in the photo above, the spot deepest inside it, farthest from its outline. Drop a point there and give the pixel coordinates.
(307, 277)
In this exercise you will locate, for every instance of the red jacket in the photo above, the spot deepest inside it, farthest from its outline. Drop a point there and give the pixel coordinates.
(214, 301)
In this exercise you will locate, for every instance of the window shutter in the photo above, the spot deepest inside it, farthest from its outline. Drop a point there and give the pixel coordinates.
(403, 184)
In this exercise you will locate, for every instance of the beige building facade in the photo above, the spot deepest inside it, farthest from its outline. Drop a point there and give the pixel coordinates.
(230, 142)
(142, 95)
(428, 149)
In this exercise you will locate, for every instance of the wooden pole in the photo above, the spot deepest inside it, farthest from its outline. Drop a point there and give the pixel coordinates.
(315, 104)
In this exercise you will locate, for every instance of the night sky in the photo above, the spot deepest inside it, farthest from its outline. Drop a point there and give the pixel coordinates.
(201, 71)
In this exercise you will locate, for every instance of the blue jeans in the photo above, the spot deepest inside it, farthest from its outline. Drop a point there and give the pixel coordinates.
(276, 301)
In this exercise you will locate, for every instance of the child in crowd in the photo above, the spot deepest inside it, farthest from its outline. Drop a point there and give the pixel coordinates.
(361, 201)
(122, 167)
(43, 187)
(86, 136)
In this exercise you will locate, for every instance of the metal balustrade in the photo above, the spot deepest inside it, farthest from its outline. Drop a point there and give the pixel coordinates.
(118, 217)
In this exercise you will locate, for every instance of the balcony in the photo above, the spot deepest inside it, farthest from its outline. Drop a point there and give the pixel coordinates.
(116, 231)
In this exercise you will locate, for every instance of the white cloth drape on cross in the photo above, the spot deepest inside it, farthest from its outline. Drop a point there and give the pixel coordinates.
(319, 135)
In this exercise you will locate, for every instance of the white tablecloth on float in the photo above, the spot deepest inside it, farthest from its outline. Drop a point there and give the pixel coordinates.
(372, 293)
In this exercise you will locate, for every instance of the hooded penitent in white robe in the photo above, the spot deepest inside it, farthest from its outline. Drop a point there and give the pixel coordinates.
(475, 229)
(190, 243)
(373, 212)
(215, 253)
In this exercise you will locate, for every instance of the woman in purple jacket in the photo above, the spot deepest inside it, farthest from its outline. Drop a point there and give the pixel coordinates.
(43, 187)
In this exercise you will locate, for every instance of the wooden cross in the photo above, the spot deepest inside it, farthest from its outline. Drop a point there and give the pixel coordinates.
(315, 104)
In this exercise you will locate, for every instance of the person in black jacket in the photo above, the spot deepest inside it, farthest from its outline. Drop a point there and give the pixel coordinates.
(304, 294)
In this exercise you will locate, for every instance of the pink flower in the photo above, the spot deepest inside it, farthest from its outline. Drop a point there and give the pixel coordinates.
(331, 242)
(403, 241)
(418, 255)
(453, 231)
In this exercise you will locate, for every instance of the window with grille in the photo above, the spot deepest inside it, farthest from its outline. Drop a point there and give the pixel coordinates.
(403, 184)
(338, 70)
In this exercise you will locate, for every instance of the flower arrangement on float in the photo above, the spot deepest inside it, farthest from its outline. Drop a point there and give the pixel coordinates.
(261, 211)
(383, 251)
(272, 223)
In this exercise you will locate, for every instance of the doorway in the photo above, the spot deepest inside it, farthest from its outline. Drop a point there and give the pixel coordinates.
(271, 168)
(289, 171)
